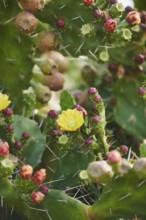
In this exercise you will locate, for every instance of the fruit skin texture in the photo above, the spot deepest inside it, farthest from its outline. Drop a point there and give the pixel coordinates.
(4, 148)
(32, 5)
(39, 176)
(133, 18)
(47, 40)
(55, 81)
(26, 172)
(58, 58)
(139, 167)
(26, 22)
(100, 171)
(110, 25)
(88, 2)
(37, 197)
(114, 157)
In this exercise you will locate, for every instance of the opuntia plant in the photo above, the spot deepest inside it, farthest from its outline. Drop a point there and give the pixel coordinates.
(72, 110)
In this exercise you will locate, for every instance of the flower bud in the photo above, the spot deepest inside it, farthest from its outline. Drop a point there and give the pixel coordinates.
(26, 172)
(89, 141)
(114, 157)
(37, 197)
(60, 23)
(133, 18)
(7, 112)
(18, 145)
(142, 91)
(100, 171)
(39, 176)
(123, 149)
(53, 114)
(4, 148)
(97, 99)
(92, 91)
(96, 119)
(97, 13)
(25, 135)
(81, 109)
(44, 189)
(110, 25)
(143, 16)
(128, 9)
(140, 58)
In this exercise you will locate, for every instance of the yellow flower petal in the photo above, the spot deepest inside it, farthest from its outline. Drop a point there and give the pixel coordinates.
(4, 101)
(70, 120)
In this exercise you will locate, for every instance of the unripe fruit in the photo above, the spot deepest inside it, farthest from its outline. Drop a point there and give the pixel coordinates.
(26, 23)
(80, 97)
(26, 172)
(88, 2)
(47, 40)
(133, 18)
(39, 176)
(110, 25)
(32, 5)
(139, 167)
(60, 61)
(100, 172)
(89, 74)
(43, 93)
(37, 197)
(114, 157)
(4, 148)
(46, 65)
(112, 2)
(124, 167)
(128, 9)
(55, 81)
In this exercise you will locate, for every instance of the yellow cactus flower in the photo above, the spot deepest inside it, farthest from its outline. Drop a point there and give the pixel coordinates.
(4, 101)
(70, 120)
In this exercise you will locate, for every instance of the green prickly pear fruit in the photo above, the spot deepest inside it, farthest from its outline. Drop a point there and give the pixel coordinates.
(7, 166)
(46, 65)
(26, 22)
(55, 81)
(89, 74)
(58, 58)
(43, 93)
(46, 40)
(124, 167)
(139, 167)
(32, 5)
(100, 172)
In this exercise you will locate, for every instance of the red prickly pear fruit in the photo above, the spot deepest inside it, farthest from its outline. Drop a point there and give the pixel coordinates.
(55, 81)
(4, 148)
(88, 2)
(32, 5)
(39, 176)
(110, 25)
(37, 197)
(133, 18)
(26, 22)
(139, 167)
(114, 157)
(46, 40)
(60, 61)
(26, 172)
(100, 172)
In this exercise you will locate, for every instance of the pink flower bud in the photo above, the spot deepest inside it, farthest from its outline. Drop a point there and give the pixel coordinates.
(37, 197)
(39, 176)
(26, 172)
(114, 157)
(133, 18)
(4, 148)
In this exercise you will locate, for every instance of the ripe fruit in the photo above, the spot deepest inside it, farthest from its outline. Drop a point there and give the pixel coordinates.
(26, 22)
(39, 176)
(110, 25)
(60, 61)
(55, 81)
(114, 157)
(32, 5)
(88, 2)
(4, 148)
(37, 197)
(26, 172)
(47, 40)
